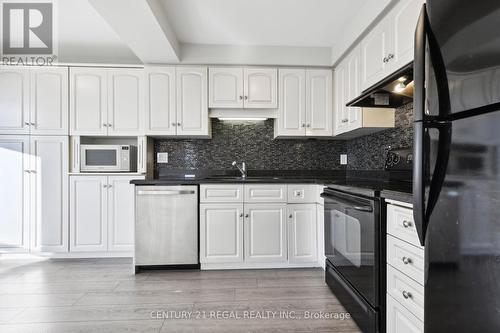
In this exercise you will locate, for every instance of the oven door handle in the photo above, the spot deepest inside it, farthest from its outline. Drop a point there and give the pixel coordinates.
(348, 203)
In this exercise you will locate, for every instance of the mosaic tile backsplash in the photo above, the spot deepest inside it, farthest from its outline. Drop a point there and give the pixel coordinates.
(369, 152)
(253, 142)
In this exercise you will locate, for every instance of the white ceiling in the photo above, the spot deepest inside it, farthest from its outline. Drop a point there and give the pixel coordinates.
(84, 36)
(261, 22)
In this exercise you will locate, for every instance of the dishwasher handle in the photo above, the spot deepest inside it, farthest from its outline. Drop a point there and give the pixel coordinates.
(165, 192)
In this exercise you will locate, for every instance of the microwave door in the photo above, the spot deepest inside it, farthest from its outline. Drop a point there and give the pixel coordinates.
(103, 158)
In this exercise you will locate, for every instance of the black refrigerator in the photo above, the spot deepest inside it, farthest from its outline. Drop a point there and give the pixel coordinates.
(457, 163)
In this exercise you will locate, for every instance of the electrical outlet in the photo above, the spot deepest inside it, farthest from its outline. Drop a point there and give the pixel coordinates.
(343, 159)
(162, 157)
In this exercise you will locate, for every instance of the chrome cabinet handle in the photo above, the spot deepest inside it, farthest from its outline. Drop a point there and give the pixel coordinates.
(303, 125)
(105, 125)
(33, 124)
(406, 224)
(385, 60)
(174, 124)
(390, 56)
(246, 97)
(241, 215)
(406, 260)
(246, 215)
(110, 125)
(26, 123)
(345, 120)
(407, 294)
(290, 216)
(308, 125)
(178, 124)
(241, 97)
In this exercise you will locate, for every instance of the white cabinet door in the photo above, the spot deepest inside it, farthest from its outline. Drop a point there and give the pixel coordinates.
(260, 88)
(14, 100)
(403, 23)
(49, 193)
(88, 213)
(375, 50)
(14, 193)
(121, 213)
(399, 319)
(221, 233)
(49, 100)
(160, 101)
(88, 101)
(265, 233)
(192, 104)
(291, 119)
(319, 111)
(126, 101)
(341, 117)
(354, 115)
(225, 87)
(302, 233)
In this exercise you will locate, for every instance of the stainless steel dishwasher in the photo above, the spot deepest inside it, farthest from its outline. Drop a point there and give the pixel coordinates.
(166, 227)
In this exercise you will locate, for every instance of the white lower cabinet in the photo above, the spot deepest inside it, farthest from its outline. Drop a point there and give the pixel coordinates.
(302, 234)
(265, 233)
(33, 193)
(221, 233)
(405, 272)
(101, 213)
(238, 229)
(14, 193)
(400, 320)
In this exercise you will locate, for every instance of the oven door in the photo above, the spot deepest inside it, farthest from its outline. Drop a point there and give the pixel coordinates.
(101, 158)
(351, 240)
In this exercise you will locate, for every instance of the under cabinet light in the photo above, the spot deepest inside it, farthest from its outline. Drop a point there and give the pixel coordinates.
(242, 119)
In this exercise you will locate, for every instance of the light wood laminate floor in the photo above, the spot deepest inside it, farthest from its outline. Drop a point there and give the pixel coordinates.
(103, 295)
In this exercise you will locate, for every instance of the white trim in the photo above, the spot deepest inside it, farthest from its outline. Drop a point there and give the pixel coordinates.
(257, 265)
(67, 255)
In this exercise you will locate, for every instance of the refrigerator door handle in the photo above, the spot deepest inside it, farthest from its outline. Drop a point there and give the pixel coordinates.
(419, 67)
(422, 208)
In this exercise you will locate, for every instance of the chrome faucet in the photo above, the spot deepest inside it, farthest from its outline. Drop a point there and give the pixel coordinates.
(243, 168)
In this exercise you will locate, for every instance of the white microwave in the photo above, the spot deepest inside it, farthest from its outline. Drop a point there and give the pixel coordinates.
(108, 158)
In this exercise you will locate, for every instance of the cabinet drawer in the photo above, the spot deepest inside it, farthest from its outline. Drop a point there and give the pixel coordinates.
(406, 291)
(400, 224)
(221, 193)
(302, 193)
(265, 193)
(406, 258)
(399, 319)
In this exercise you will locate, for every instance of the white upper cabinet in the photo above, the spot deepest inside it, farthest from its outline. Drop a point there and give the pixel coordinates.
(341, 116)
(49, 193)
(389, 46)
(305, 107)
(291, 120)
(88, 101)
(14, 193)
(160, 101)
(34, 100)
(192, 102)
(236, 87)
(260, 88)
(319, 111)
(375, 51)
(125, 101)
(353, 86)
(404, 21)
(14, 100)
(225, 87)
(106, 101)
(49, 100)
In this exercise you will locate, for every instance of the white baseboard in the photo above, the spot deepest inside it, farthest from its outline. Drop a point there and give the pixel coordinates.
(258, 265)
(66, 255)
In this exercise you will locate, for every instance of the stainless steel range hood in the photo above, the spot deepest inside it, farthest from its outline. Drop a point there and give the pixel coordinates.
(391, 92)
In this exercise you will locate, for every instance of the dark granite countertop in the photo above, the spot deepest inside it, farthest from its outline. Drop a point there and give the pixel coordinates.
(372, 184)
